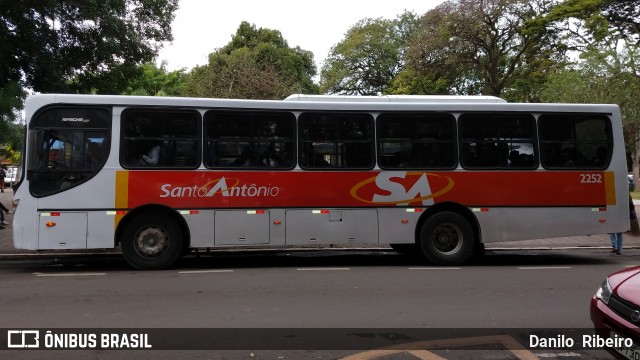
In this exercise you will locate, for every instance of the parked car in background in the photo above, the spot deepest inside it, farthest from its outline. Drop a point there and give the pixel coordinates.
(615, 312)
(10, 178)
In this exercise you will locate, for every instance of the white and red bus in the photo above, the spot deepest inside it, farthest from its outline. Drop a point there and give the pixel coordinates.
(442, 176)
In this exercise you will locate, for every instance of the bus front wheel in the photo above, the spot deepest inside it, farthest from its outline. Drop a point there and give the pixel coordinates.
(151, 241)
(446, 238)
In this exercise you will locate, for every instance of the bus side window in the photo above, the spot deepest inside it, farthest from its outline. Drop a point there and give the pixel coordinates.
(575, 141)
(417, 140)
(498, 141)
(153, 138)
(249, 139)
(336, 140)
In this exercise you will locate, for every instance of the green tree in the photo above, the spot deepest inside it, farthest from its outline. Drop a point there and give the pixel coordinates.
(157, 81)
(484, 47)
(47, 43)
(583, 23)
(370, 56)
(604, 76)
(11, 138)
(256, 64)
(11, 132)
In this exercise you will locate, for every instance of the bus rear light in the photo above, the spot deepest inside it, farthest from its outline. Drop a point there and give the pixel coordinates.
(414, 210)
(277, 222)
(320, 211)
(255, 212)
(50, 224)
(602, 221)
(404, 221)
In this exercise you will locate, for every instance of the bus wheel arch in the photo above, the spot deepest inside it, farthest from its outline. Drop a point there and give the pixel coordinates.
(447, 234)
(152, 237)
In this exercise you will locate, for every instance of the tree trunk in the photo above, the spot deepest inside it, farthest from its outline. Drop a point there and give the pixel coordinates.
(635, 165)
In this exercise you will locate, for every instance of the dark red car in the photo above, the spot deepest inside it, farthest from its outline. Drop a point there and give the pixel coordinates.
(615, 312)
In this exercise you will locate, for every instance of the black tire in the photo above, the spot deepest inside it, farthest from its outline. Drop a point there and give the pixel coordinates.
(446, 239)
(152, 241)
(405, 249)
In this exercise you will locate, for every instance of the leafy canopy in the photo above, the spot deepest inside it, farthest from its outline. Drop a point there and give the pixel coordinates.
(48, 42)
(256, 64)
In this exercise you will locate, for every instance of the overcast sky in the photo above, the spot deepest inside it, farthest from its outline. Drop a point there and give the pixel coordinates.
(201, 26)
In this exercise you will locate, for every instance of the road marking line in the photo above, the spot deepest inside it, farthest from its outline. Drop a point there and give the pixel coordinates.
(68, 274)
(557, 355)
(435, 268)
(381, 354)
(204, 271)
(544, 267)
(323, 269)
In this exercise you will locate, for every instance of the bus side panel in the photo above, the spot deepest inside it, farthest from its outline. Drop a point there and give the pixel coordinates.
(201, 227)
(398, 225)
(62, 230)
(540, 223)
(489, 222)
(277, 232)
(241, 227)
(336, 226)
(101, 230)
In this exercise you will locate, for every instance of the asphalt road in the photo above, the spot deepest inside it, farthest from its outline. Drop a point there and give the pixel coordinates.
(301, 290)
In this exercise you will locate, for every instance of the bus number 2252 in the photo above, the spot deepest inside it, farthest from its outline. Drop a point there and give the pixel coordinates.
(590, 178)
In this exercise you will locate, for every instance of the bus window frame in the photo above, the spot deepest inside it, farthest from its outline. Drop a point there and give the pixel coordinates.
(498, 139)
(162, 138)
(610, 141)
(454, 140)
(372, 139)
(262, 112)
(39, 126)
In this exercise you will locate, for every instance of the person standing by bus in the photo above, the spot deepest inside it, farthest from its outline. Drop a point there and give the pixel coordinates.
(616, 238)
(3, 209)
(3, 174)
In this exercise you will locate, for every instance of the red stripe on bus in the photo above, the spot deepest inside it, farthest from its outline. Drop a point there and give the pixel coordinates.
(249, 189)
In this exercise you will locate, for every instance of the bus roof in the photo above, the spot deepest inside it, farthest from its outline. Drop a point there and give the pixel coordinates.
(301, 102)
(397, 98)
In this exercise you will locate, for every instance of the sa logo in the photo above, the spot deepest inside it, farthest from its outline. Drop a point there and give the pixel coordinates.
(394, 191)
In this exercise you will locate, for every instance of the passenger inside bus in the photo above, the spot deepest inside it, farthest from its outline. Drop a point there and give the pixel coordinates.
(246, 157)
(152, 156)
(568, 157)
(276, 155)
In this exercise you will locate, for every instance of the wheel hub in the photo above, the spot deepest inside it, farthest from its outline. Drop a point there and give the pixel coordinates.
(152, 242)
(447, 239)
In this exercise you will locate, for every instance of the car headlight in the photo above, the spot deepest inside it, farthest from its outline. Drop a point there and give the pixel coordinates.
(604, 293)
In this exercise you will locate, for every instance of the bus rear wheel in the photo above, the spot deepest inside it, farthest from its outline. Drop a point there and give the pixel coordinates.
(446, 239)
(152, 241)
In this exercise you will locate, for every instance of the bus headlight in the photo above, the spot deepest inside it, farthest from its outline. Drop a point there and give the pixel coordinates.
(604, 293)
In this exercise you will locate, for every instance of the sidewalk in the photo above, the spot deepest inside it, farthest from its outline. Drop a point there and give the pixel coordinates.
(594, 241)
